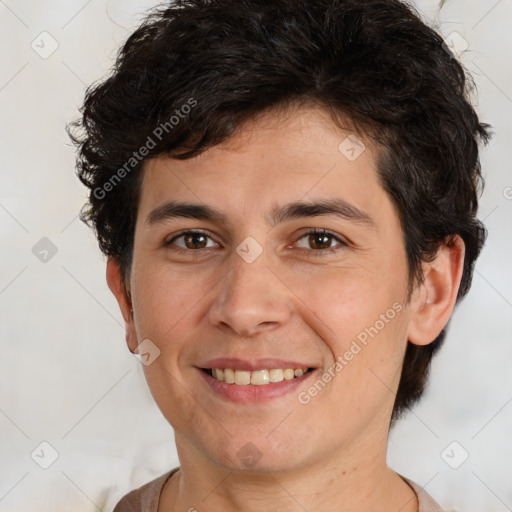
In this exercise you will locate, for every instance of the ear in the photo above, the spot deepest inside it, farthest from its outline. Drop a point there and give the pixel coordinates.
(434, 299)
(117, 287)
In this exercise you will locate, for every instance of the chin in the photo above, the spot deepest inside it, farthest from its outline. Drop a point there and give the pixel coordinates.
(258, 456)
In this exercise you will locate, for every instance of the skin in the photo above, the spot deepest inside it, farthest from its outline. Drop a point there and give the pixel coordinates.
(290, 303)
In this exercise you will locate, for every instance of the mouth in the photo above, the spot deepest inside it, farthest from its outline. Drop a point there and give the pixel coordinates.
(247, 380)
(260, 377)
(250, 379)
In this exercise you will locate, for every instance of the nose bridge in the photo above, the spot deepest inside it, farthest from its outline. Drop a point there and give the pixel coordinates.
(250, 298)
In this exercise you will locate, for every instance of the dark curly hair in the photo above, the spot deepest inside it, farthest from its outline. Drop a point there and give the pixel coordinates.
(195, 70)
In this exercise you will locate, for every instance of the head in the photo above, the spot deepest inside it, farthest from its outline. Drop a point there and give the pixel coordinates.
(246, 106)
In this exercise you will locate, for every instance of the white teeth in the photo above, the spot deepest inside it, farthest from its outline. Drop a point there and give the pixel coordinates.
(256, 377)
(276, 375)
(242, 378)
(289, 374)
(229, 376)
(218, 373)
(260, 377)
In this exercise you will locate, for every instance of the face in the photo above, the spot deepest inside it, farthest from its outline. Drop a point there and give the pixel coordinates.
(234, 262)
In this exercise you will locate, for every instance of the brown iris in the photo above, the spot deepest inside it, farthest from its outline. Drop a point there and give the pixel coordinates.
(195, 240)
(319, 240)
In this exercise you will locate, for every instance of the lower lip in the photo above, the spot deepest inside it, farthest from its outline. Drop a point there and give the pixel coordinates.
(252, 393)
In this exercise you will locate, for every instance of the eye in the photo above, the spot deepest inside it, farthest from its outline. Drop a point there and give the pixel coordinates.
(320, 241)
(192, 240)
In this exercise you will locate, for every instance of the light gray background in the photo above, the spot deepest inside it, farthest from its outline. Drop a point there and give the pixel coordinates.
(66, 375)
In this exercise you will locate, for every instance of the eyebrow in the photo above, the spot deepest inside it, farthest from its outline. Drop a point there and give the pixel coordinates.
(295, 210)
(338, 207)
(176, 209)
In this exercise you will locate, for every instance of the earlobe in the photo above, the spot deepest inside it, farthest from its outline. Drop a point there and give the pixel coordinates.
(118, 288)
(434, 299)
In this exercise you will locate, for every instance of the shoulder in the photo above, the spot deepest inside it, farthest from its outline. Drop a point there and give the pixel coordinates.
(425, 501)
(146, 497)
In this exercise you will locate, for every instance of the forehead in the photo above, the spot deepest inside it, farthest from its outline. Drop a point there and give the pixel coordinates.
(272, 160)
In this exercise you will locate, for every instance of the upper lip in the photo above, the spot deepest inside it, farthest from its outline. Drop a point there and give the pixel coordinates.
(267, 363)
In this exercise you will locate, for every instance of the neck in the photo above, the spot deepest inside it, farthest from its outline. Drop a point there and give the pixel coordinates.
(362, 483)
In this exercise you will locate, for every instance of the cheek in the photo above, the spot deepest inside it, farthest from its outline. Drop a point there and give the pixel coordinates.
(165, 300)
(363, 320)
(366, 342)
(348, 300)
(167, 305)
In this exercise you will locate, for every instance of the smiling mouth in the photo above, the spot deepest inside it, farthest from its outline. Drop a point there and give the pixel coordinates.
(256, 377)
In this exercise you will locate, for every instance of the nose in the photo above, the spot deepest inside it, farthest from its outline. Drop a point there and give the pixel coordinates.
(250, 299)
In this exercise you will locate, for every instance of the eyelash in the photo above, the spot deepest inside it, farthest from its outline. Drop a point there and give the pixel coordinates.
(310, 252)
(322, 252)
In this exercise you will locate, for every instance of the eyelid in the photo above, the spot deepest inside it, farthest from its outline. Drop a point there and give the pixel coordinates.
(312, 231)
(169, 240)
(342, 241)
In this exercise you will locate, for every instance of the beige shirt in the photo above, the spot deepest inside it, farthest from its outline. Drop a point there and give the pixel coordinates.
(146, 498)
